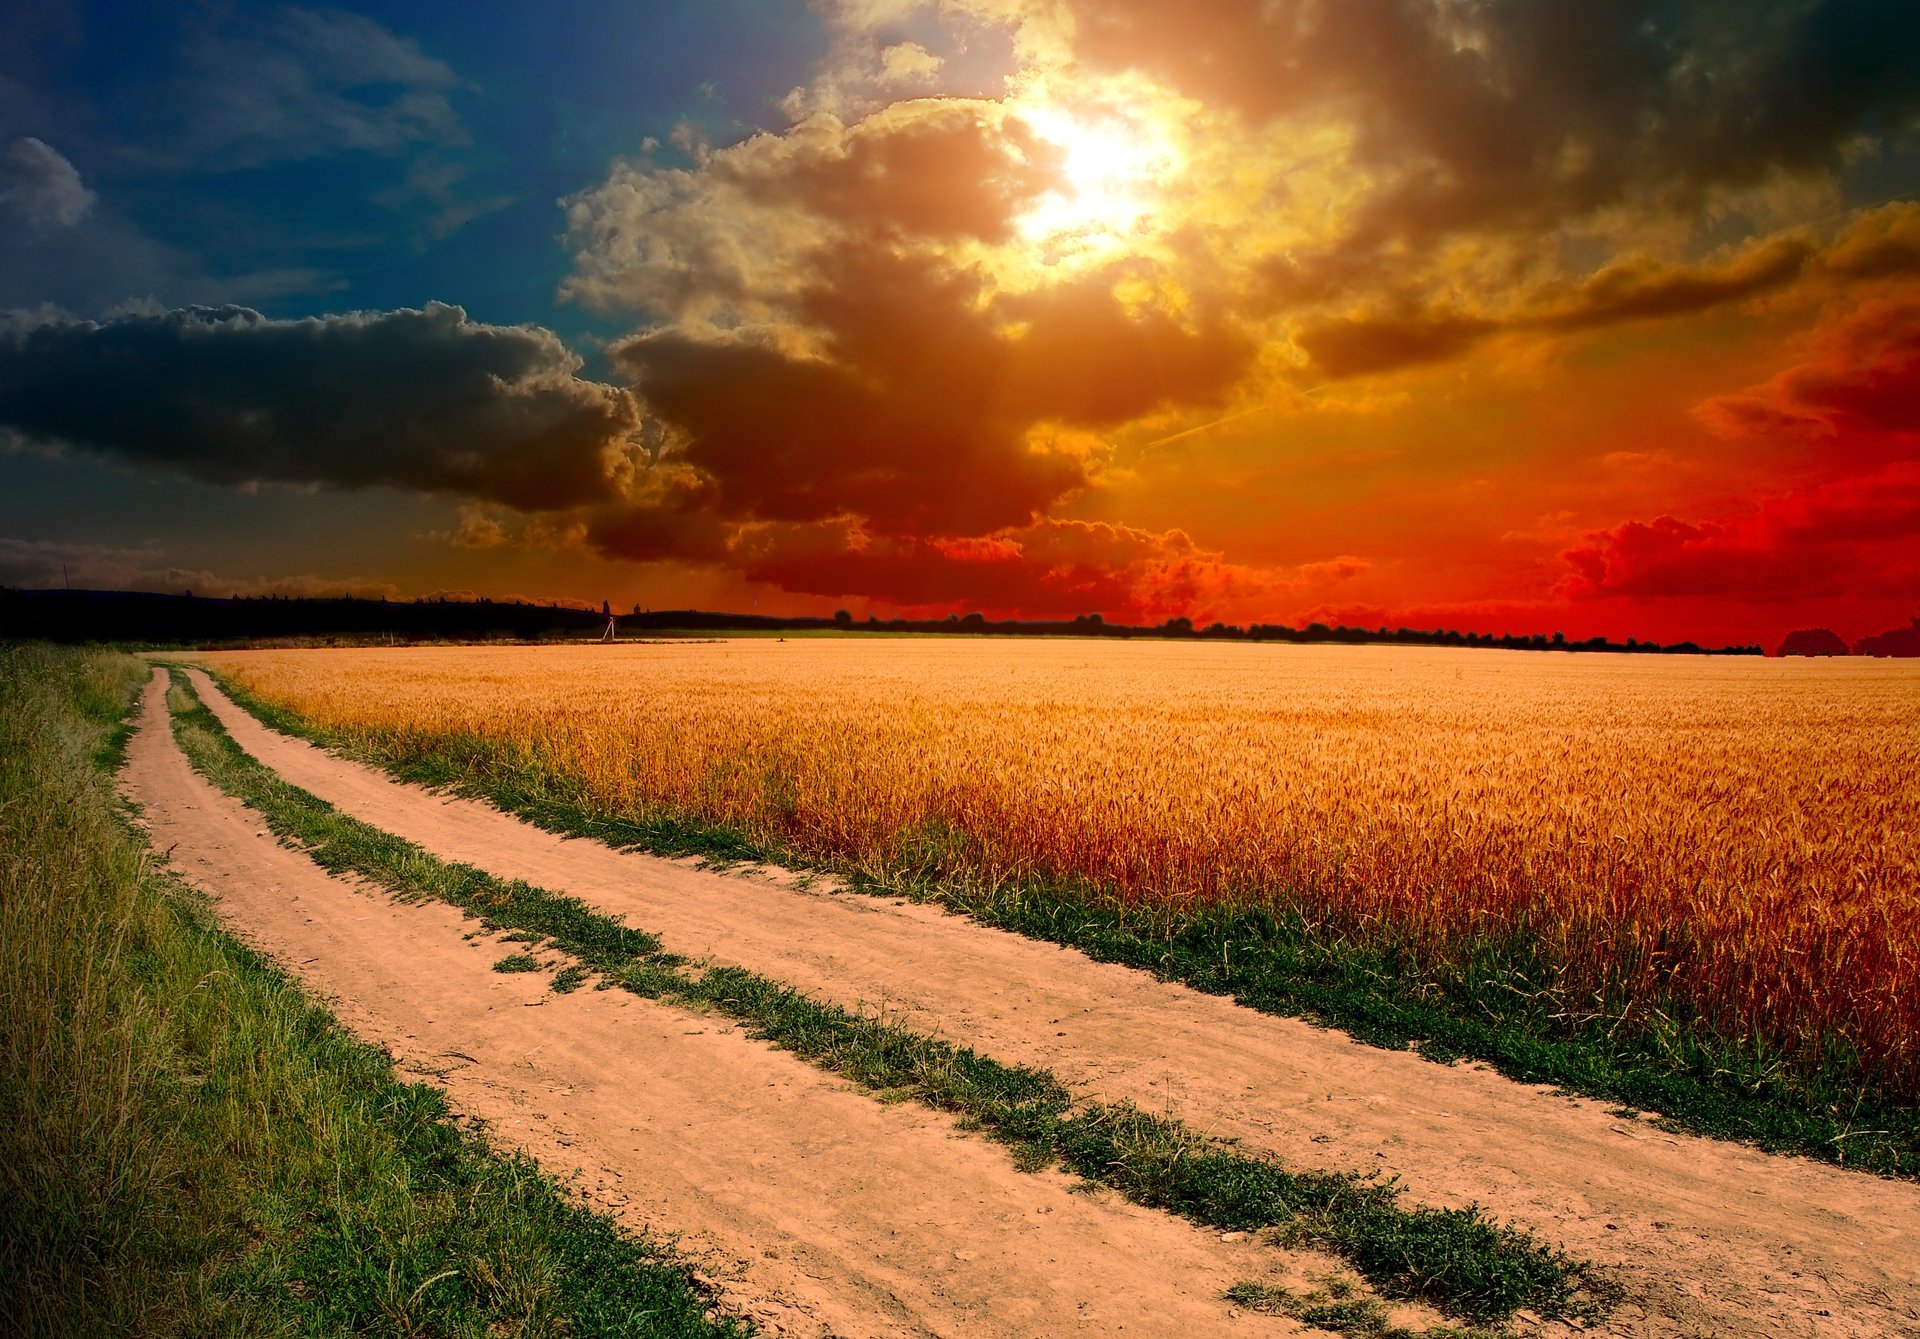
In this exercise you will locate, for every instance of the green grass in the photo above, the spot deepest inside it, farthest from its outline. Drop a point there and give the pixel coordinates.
(1495, 1001)
(189, 1146)
(1338, 1309)
(1457, 1260)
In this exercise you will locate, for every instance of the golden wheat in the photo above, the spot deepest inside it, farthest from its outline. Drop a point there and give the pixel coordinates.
(1743, 835)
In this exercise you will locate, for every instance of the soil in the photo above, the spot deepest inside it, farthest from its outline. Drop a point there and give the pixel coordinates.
(1709, 1237)
(810, 1206)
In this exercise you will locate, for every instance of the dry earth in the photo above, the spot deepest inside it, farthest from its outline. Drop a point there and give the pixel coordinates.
(1711, 1238)
(814, 1208)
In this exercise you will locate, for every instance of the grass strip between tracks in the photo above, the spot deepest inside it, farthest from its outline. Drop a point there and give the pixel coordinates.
(1499, 1001)
(1457, 1260)
(190, 1146)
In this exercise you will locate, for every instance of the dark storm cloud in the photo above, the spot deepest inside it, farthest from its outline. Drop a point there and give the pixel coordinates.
(917, 418)
(1879, 244)
(1518, 113)
(831, 356)
(414, 399)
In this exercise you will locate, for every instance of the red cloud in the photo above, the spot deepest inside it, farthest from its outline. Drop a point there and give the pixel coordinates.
(1046, 569)
(1862, 380)
(1050, 568)
(1850, 537)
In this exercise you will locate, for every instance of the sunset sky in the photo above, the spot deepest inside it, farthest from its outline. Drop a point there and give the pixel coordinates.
(1599, 316)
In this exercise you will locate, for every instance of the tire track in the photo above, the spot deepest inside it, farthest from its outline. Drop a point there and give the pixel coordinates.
(816, 1209)
(1712, 1237)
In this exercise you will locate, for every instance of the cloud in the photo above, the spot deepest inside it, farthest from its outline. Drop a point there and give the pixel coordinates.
(1850, 537)
(45, 565)
(476, 528)
(734, 239)
(1048, 568)
(1631, 288)
(1881, 243)
(1859, 384)
(826, 347)
(884, 350)
(1522, 115)
(1045, 568)
(905, 63)
(1363, 345)
(42, 187)
(294, 83)
(917, 414)
(423, 399)
(1638, 288)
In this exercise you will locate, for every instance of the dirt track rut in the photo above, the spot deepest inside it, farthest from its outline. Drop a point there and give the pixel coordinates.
(816, 1209)
(1712, 1238)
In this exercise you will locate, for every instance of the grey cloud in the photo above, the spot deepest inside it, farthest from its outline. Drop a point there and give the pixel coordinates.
(427, 400)
(41, 186)
(306, 83)
(37, 564)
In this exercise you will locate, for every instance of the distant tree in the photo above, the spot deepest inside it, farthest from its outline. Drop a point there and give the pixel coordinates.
(843, 618)
(1179, 626)
(1813, 642)
(974, 621)
(1893, 642)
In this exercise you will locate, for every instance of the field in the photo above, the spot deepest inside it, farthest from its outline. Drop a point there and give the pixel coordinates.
(1296, 878)
(1722, 849)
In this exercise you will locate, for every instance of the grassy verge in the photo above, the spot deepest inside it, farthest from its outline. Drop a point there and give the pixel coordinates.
(1498, 1002)
(188, 1146)
(1455, 1259)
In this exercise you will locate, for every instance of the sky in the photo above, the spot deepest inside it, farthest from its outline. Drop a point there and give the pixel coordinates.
(1593, 316)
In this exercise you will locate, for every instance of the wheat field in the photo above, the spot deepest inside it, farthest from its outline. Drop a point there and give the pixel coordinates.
(1739, 835)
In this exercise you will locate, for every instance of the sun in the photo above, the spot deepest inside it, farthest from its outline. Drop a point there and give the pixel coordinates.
(1112, 169)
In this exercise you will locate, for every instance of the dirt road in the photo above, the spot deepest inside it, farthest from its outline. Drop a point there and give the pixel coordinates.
(816, 1209)
(1712, 1238)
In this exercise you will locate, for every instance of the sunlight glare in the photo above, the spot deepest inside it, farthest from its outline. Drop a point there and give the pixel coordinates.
(1113, 167)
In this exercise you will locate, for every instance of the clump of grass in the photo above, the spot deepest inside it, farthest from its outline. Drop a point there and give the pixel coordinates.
(1457, 1260)
(569, 979)
(1339, 1308)
(517, 962)
(188, 1146)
